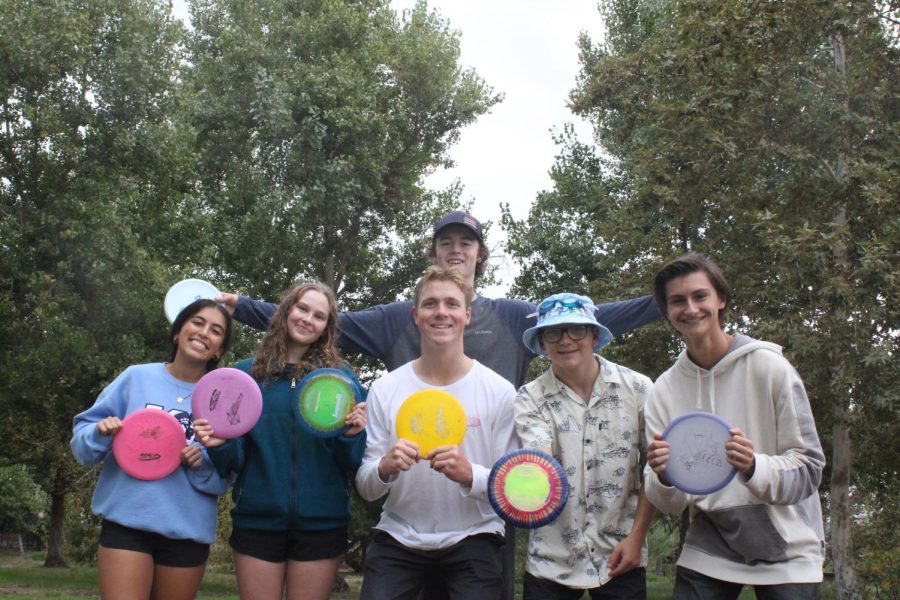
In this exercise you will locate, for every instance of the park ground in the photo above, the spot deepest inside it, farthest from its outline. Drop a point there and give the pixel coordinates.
(22, 576)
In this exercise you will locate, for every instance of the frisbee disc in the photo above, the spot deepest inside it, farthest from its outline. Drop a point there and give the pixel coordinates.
(324, 399)
(528, 488)
(697, 463)
(149, 444)
(431, 418)
(229, 399)
(183, 293)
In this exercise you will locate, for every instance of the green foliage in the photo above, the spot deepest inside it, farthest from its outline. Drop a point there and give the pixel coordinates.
(766, 134)
(663, 547)
(220, 552)
(880, 569)
(276, 140)
(316, 121)
(82, 526)
(23, 504)
(92, 178)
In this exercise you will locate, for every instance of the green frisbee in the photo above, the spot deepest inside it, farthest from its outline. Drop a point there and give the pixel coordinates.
(324, 399)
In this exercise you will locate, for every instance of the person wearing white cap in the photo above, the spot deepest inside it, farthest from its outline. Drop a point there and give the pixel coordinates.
(588, 413)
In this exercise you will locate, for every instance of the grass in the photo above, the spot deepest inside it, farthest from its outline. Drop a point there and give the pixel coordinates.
(24, 577)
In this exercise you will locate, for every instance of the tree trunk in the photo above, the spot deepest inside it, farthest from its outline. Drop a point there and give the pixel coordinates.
(842, 453)
(55, 531)
(841, 540)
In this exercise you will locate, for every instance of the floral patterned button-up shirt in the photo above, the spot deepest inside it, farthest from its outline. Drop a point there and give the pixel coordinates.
(599, 445)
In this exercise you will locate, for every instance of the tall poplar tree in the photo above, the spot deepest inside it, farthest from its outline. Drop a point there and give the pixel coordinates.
(316, 121)
(766, 134)
(92, 171)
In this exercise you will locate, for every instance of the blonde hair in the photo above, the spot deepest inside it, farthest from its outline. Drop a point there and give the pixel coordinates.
(436, 273)
(271, 358)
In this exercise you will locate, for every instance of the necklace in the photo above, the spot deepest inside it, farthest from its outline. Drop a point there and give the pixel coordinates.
(181, 397)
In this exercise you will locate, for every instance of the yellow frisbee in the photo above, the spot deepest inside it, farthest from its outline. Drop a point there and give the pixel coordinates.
(431, 418)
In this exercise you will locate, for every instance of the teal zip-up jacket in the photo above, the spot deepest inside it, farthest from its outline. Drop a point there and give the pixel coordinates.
(287, 478)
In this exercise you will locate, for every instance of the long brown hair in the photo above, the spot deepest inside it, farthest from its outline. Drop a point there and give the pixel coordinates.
(271, 358)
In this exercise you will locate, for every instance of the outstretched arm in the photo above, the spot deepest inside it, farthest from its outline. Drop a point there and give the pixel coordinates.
(626, 315)
(250, 312)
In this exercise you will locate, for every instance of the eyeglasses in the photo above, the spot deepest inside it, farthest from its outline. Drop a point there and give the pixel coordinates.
(555, 334)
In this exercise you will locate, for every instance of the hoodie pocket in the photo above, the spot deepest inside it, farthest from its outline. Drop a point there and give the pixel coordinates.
(743, 534)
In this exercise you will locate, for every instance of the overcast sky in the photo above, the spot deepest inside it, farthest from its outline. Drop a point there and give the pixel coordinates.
(526, 50)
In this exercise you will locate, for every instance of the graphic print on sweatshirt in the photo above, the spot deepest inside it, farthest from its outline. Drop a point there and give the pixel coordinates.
(182, 416)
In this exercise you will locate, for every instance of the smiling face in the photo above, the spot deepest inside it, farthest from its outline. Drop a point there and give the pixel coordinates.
(457, 247)
(202, 335)
(307, 319)
(441, 313)
(693, 306)
(568, 355)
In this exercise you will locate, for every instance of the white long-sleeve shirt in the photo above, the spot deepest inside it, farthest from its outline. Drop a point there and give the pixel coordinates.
(424, 509)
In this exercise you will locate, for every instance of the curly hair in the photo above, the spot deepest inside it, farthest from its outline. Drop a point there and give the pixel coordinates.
(271, 358)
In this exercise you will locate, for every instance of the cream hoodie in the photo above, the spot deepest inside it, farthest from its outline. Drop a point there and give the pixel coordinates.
(764, 530)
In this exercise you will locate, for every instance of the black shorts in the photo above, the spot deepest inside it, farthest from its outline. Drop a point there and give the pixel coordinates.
(282, 546)
(165, 551)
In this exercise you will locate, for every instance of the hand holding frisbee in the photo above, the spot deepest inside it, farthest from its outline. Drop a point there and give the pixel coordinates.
(229, 400)
(109, 426)
(431, 418)
(325, 398)
(697, 462)
(149, 445)
(528, 488)
(183, 293)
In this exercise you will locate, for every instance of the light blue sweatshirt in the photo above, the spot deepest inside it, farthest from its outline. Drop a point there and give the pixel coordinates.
(180, 506)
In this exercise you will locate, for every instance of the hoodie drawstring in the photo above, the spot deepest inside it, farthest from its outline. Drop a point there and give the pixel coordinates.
(699, 391)
(712, 391)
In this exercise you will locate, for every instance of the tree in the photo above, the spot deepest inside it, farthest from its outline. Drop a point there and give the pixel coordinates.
(766, 134)
(92, 177)
(22, 503)
(316, 121)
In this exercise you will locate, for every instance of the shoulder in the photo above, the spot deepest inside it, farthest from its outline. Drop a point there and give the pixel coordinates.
(505, 305)
(398, 309)
(244, 365)
(392, 378)
(665, 384)
(537, 388)
(492, 379)
(145, 369)
(764, 358)
(142, 372)
(632, 379)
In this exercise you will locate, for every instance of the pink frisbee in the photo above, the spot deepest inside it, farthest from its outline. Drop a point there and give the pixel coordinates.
(149, 444)
(229, 399)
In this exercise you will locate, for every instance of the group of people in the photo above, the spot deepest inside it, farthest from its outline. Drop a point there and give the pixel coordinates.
(438, 536)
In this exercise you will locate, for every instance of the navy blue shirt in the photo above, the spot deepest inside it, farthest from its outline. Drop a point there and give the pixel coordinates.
(493, 337)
